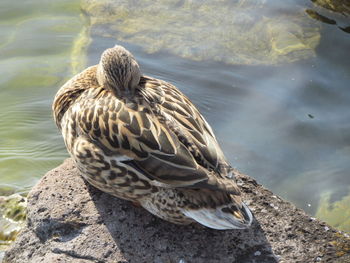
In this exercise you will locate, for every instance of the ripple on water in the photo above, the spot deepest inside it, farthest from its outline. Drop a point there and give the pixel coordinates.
(35, 53)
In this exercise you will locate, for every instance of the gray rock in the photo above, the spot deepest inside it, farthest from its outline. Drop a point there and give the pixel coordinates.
(70, 221)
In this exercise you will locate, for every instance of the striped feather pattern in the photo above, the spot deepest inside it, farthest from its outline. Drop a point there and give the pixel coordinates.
(145, 143)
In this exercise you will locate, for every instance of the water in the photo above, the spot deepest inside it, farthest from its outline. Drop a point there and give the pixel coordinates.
(285, 124)
(35, 54)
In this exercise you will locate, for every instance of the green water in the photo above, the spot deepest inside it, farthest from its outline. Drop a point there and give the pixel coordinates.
(282, 116)
(35, 58)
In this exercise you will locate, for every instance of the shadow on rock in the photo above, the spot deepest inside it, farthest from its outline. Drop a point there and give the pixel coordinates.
(141, 236)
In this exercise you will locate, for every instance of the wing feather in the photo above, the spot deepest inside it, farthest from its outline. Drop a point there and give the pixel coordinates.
(166, 139)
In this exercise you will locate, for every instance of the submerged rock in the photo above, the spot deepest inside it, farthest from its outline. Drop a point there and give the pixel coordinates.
(235, 32)
(333, 12)
(70, 221)
(338, 6)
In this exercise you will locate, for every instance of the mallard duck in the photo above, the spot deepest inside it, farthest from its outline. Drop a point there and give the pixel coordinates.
(140, 139)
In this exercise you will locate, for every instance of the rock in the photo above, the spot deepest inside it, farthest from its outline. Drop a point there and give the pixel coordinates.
(70, 221)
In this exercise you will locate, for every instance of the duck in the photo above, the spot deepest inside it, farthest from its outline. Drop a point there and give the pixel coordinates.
(141, 139)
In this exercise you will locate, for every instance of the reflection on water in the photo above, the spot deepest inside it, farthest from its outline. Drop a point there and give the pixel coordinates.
(285, 124)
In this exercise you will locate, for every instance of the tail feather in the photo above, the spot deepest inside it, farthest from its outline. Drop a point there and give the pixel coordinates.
(222, 217)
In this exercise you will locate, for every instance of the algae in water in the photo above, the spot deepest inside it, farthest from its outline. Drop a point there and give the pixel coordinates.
(235, 32)
(335, 213)
(12, 219)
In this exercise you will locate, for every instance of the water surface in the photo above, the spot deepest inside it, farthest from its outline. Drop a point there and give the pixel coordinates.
(35, 58)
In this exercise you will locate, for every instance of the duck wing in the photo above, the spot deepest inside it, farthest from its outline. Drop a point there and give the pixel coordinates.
(163, 136)
(184, 118)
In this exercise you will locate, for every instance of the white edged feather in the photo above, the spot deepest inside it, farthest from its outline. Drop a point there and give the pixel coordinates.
(217, 219)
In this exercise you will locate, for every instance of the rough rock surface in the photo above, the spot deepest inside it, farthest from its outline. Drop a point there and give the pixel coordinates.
(70, 221)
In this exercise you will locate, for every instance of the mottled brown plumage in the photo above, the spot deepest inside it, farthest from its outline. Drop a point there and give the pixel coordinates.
(141, 139)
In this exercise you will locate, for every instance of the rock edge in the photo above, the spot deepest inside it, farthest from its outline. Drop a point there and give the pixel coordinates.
(71, 221)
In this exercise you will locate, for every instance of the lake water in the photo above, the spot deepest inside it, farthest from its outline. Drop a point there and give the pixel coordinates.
(284, 121)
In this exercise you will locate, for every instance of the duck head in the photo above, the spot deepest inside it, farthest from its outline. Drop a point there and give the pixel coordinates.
(118, 71)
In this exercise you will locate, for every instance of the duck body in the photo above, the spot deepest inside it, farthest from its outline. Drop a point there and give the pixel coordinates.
(141, 139)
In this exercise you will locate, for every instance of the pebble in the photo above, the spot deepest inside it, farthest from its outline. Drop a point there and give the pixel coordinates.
(257, 253)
